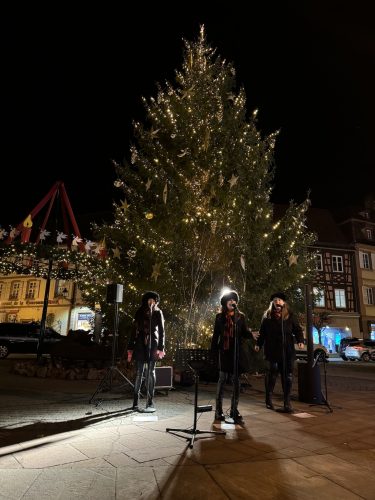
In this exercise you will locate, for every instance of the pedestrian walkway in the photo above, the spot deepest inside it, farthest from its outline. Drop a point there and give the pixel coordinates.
(56, 445)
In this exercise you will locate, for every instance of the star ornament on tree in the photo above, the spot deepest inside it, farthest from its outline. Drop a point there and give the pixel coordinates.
(233, 181)
(116, 253)
(155, 271)
(292, 260)
(124, 205)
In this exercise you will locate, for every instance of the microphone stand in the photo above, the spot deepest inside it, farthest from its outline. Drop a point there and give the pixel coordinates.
(235, 361)
(149, 409)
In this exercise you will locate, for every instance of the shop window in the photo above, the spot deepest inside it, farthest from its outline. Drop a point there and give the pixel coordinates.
(85, 321)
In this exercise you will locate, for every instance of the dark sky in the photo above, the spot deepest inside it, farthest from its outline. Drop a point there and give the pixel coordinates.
(72, 84)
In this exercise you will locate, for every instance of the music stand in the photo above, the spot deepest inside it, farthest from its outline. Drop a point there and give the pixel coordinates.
(197, 409)
(107, 381)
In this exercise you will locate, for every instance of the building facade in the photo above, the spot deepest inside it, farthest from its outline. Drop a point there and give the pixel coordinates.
(22, 299)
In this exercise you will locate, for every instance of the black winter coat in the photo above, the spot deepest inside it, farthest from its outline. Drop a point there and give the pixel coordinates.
(139, 338)
(226, 357)
(271, 336)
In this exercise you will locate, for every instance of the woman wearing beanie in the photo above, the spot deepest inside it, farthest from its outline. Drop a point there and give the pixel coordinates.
(146, 346)
(277, 333)
(230, 327)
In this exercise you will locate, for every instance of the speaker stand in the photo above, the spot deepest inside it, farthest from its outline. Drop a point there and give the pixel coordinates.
(197, 409)
(107, 381)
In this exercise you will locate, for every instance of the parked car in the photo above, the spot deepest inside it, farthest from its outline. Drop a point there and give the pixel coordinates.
(318, 349)
(344, 343)
(362, 350)
(24, 337)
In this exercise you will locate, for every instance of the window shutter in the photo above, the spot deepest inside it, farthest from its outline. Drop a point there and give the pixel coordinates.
(373, 261)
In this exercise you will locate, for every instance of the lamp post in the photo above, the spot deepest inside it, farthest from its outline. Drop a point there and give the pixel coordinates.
(44, 312)
(309, 387)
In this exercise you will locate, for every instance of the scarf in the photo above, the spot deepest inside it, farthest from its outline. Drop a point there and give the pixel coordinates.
(146, 326)
(228, 329)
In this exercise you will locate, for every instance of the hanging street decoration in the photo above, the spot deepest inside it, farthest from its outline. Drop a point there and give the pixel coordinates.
(44, 234)
(70, 259)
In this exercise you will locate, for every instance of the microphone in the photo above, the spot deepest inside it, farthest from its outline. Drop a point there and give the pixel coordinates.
(234, 306)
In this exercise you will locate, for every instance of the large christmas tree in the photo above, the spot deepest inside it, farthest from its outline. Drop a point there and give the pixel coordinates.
(195, 213)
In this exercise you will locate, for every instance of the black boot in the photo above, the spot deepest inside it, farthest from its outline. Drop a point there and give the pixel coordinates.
(270, 381)
(135, 406)
(287, 390)
(219, 415)
(150, 403)
(236, 416)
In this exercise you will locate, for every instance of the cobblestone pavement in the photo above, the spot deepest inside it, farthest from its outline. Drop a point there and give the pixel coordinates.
(54, 444)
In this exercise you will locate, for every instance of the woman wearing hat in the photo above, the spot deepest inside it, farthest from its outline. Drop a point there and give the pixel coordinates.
(230, 327)
(146, 345)
(277, 333)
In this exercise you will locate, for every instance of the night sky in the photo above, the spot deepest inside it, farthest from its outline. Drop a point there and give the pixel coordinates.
(72, 84)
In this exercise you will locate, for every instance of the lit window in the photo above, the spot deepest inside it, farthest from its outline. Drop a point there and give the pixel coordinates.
(319, 299)
(14, 290)
(319, 262)
(31, 289)
(340, 300)
(369, 234)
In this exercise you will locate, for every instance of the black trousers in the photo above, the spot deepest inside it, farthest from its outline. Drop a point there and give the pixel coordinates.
(142, 368)
(220, 390)
(274, 368)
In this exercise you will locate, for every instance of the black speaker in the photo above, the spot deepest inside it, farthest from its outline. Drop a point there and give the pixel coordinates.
(309, 386)
(114, 293)
(164, 377)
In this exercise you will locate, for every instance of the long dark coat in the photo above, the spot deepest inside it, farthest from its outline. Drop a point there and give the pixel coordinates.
(226, 357)
(271, 336)
(139, 338)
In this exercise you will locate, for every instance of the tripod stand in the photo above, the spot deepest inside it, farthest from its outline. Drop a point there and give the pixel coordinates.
(322, 357)
(107, 381)
(197, 409)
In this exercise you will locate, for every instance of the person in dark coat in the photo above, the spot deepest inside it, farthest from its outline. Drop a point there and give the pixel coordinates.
(278, 333)
(229, 330)
(146, 346)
